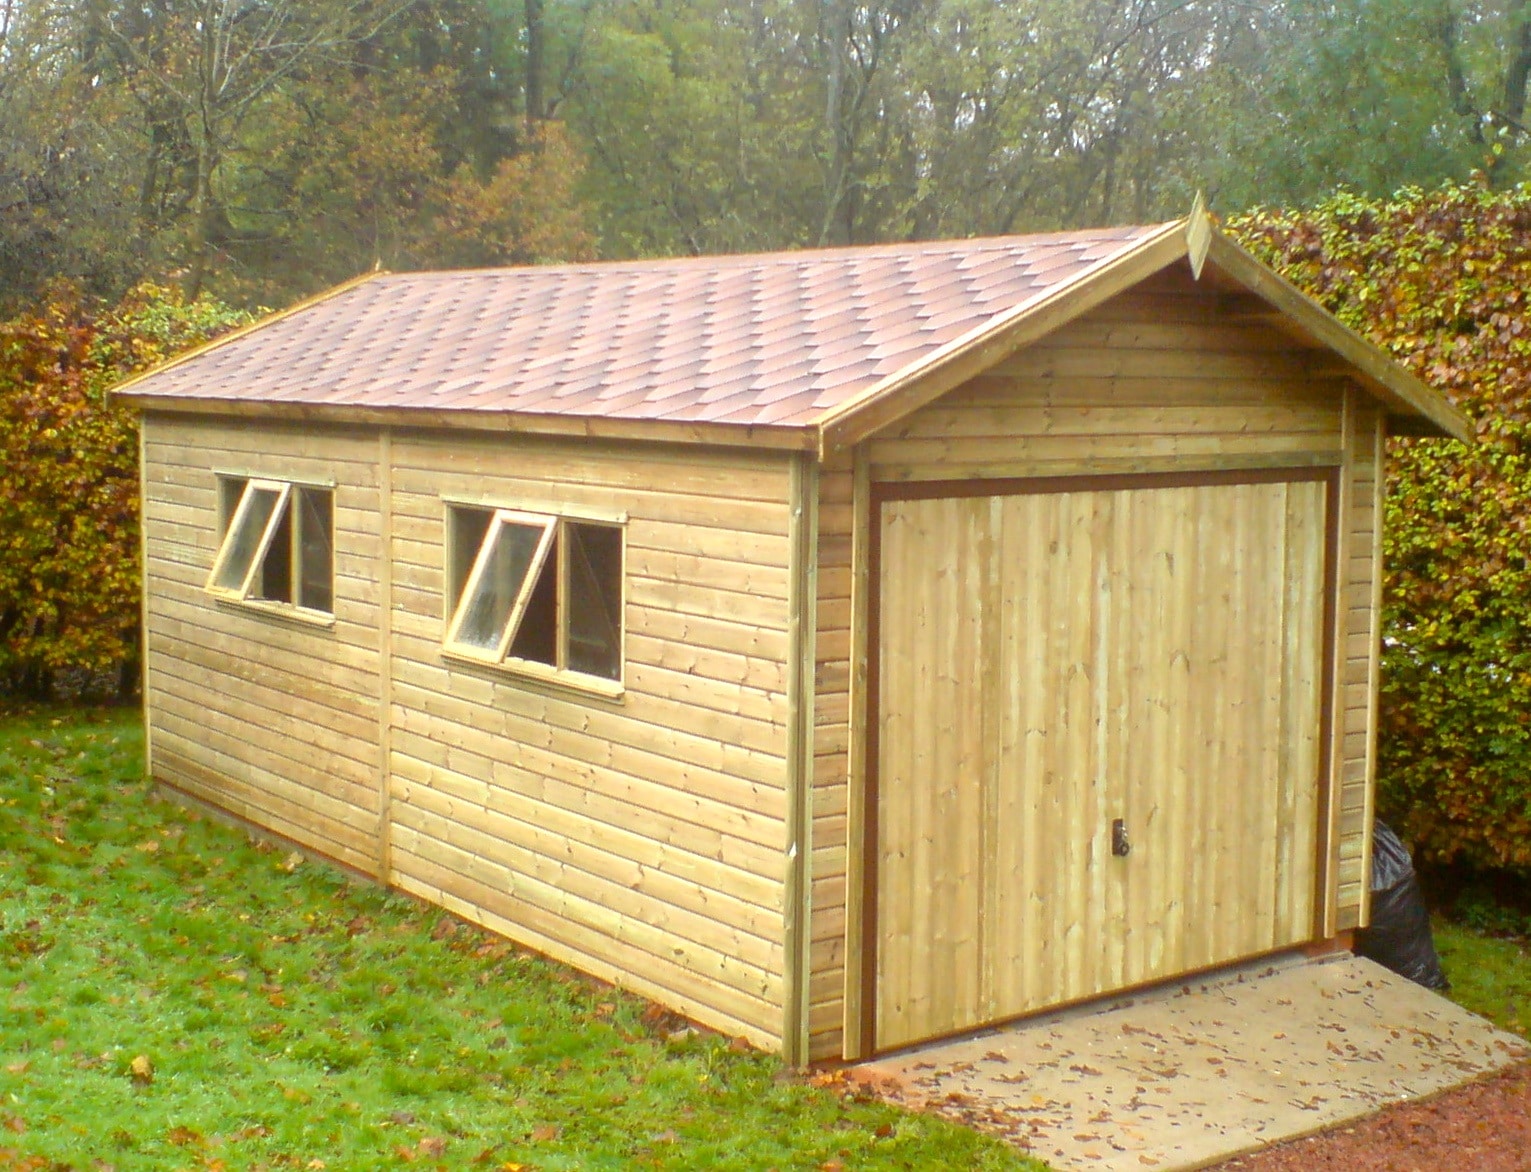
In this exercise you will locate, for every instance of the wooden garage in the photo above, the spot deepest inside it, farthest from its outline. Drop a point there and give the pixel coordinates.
(846, 648)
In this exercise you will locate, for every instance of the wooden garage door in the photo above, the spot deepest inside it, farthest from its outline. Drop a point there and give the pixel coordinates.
(1051, 662)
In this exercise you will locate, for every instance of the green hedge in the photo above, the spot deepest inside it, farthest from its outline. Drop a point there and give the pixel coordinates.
(1441, 280)
(69, 478)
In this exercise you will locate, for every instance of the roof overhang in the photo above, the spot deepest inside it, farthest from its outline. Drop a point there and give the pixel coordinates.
(731, 435)
(1413, 407)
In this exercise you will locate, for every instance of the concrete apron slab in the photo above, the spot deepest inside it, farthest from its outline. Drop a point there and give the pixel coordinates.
(1193, 1074)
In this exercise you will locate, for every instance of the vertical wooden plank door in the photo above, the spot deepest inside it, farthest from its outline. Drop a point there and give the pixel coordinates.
(1052, 662)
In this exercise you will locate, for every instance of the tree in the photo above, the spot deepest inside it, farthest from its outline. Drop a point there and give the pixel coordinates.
(69, 568)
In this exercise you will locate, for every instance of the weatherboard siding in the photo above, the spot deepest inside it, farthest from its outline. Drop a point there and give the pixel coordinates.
(1164, 378)
(1160, 379)
(831, 757)
(641, 839)
(272, 720)
(1361, 648)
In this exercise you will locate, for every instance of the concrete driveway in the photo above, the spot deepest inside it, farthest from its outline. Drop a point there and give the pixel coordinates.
(1193, 1074)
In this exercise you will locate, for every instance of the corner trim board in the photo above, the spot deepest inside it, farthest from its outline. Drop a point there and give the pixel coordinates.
(798, 896)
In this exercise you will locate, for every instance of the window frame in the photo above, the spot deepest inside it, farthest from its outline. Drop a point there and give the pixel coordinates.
(231, 519)
(554, 544)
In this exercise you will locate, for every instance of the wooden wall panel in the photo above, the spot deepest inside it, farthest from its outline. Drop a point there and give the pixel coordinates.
(1157, 380)
(641, 839)
(832, 686)
(1173, 376)
(1360, 643)
(273, 720)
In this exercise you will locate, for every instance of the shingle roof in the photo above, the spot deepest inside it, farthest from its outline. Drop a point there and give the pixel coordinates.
(776, 339)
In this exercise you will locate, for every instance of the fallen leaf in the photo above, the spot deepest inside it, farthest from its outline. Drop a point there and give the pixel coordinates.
(18, 1067)
(15, 1123)
(317, 1165)
(292, 862)
(183, 1137)
(884, 1131)
(431, 1145)
(544, 1134)
(142, 1070)
(148, 848)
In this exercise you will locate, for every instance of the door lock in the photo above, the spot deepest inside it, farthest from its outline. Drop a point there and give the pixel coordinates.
(1121, 847)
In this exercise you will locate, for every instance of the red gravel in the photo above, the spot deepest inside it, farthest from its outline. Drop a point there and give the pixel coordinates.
(1482, 1127)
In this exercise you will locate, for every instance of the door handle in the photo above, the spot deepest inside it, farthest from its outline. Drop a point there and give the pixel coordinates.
(1121, 846)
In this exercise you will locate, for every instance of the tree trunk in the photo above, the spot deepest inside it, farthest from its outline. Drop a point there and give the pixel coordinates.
(837, 40)
(201, 221)
(1518, 72)
(536, 105)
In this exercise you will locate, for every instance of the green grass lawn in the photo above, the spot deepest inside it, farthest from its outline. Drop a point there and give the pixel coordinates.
(1489, 975)
(173, 996)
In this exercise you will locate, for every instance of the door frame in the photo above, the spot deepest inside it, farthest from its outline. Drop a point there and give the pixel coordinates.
(1330, 475)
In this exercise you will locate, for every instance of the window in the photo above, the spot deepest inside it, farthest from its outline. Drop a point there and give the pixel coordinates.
(528, 588)
(278, 544)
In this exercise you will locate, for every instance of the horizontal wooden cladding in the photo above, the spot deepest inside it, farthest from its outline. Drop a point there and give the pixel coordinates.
(274, 720)
(587, 949)
(1151, 379)
(673, 801)
(832, 677)
(253, 795)
(1360, 636)
(640, 837)
(562, 855)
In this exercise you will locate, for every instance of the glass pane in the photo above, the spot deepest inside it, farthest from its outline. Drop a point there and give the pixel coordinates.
(469, 527)
(230, 489)
(537, 636)
(488, 607)
(274, 582)
(595, 600)
(245, 540)
(316, 559)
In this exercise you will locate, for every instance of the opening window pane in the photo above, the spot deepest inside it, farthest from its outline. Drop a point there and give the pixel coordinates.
(246, 534)
(595, 600)
(536, 589)
(278, 544)
(490, 601)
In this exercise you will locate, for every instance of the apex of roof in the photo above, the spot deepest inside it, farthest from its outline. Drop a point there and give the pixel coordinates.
(798, 341)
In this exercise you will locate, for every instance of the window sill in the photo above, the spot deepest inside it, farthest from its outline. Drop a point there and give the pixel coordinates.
(285, 611)
(539, 673)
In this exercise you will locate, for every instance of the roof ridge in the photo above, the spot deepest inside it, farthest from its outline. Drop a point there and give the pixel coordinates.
(792, 256)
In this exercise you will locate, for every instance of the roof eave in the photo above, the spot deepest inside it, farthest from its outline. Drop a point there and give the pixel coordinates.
(1414, 408)
(124, 388)
(779, 437)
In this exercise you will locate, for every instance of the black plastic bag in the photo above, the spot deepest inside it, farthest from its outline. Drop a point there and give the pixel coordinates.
(1399, 937)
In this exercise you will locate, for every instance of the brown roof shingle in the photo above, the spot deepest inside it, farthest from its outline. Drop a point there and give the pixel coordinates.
(774, 339)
